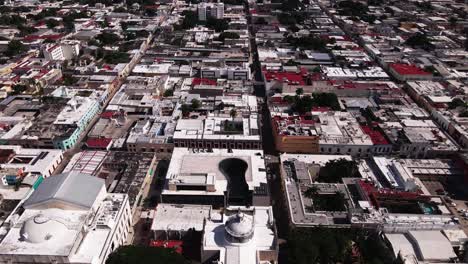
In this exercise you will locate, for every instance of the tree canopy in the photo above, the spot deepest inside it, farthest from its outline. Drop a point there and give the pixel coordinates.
(106, 38)
(14, 20)
(335, 170)
(116, 57)
(310, 42)
(218, 25)
(145, 255)
(456, 102)
(322, 245)
(18, 89)
(228, 35)
(52, 23)
(303, 104)
(419, 40)
(15, 47)
(352, 8)
(190, 19)
(168, 93)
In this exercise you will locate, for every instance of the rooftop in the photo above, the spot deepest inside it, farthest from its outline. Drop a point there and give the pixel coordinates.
(408, 69)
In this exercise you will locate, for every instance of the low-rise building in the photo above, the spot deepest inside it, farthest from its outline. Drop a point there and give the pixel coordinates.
(59, 223)
(216, 177)
(341, 134)
(407, 72)
(295, 135)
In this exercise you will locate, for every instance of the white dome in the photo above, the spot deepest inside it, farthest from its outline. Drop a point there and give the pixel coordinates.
(240, 225)
(40, 228)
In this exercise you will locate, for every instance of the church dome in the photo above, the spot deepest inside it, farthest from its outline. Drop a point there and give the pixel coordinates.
(239, 228)
(40, 228)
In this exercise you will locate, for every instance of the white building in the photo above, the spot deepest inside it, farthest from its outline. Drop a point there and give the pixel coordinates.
(243, 236)
(237, 235)
(53, 52)
(341, 134)
(217, 10)
(240, 72)
(62, 223)
(63, 51)
(36, 161)
(216, 132)
(216, 177)
(421, 247)
(202, 12)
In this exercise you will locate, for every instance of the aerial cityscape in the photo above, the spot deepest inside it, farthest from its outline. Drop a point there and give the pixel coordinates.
(233, 131)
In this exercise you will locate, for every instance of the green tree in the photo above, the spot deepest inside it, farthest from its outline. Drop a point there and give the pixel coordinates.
(15, 47)
(18, 89)
(311, 192)
(309, 42)
(25, 30)
(13, 20)
(453, 21)
(116, 57)
(145, 255)
(419, 40)
(69, 20)
(123, 25)
(228, 35)
(106, 38)
(352, 8)
(326, 100)
(463, 113)
(185, 109)
(290, 5)
(299, 91)
(335, 170)
(456, 102)
(69, 80)
(190, 19)
(233, 113)
(218, 25)
(52, 23)
(195, 104)
(168, 93)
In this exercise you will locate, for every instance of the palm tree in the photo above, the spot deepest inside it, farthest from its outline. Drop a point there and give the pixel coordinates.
(299, 91)
(312, 192)
(233, 113)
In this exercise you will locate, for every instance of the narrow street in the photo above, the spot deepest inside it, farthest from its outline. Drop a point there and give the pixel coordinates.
(273, 161)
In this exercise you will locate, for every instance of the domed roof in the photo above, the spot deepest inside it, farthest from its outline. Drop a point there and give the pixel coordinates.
(240, 225)
(40, 228)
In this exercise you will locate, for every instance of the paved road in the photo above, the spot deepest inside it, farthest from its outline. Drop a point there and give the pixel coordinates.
(68, 154)
(277, 193)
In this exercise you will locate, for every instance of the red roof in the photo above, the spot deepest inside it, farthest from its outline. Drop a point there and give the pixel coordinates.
(40, 24)
(289, 120)
(289, 77)
(375, 135)
(321, 109)
(153, 7)
(36, 37)
(278, 100)
(108, 114)
(203, 81)
(360, 85)
(101, 143)
(376, 195)
(408, 69)
(175, 244)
